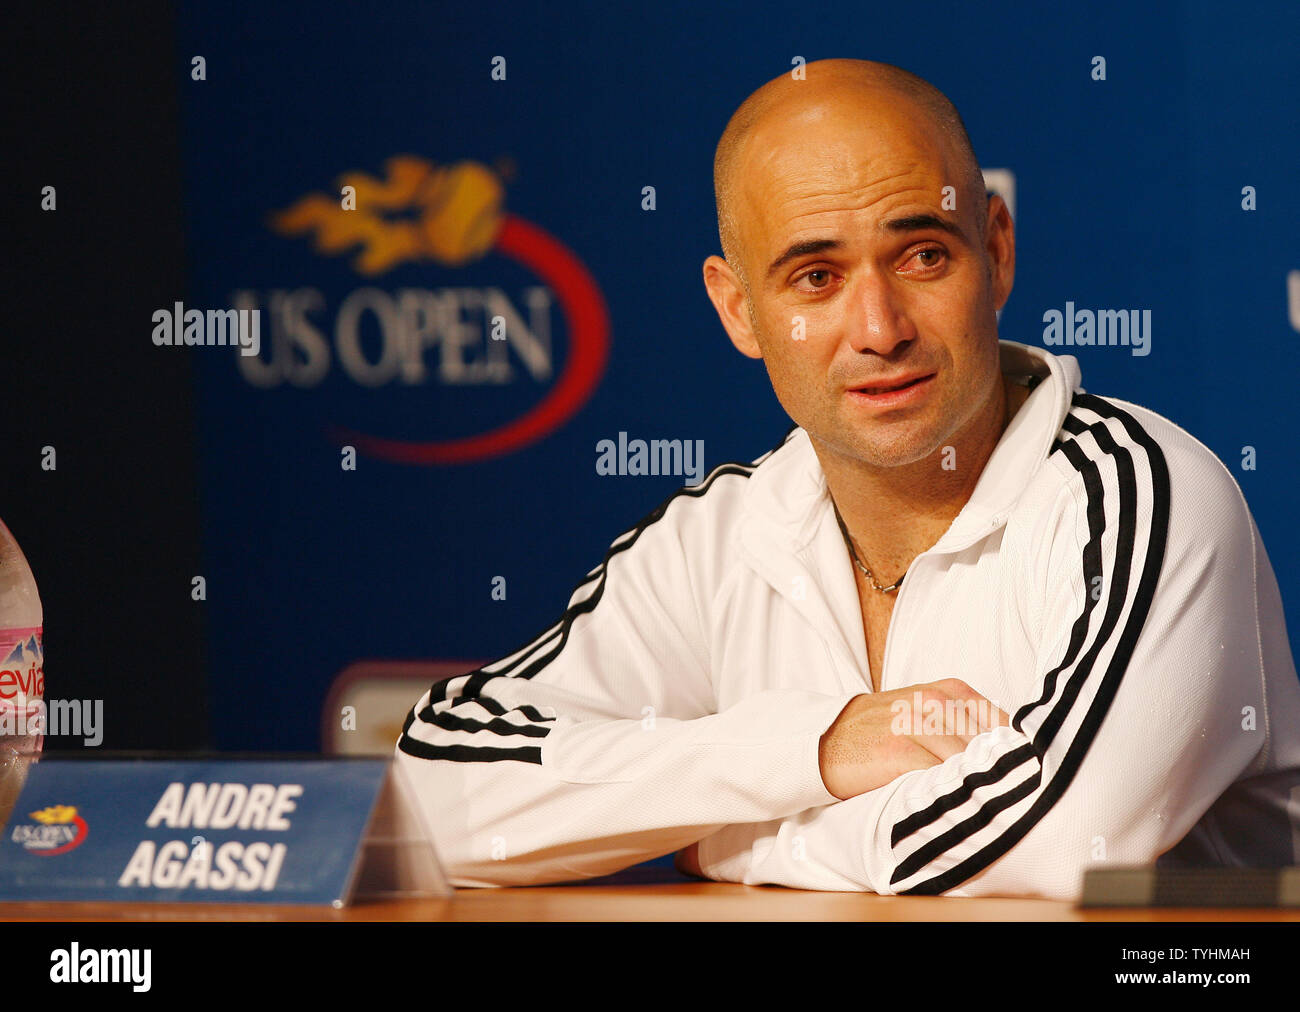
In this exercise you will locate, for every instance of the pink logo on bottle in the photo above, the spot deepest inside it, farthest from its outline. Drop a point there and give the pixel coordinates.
(22, 671)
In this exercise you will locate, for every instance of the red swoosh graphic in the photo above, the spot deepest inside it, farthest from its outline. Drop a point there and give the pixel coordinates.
(82, 832)
(588, 320)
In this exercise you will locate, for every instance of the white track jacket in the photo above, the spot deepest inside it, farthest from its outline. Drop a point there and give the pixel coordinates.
(1105, 585)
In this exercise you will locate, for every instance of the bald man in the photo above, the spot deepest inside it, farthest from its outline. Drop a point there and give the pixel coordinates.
(965, 630)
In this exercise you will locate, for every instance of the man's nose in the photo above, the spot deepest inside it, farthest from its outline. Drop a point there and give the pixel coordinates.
(879, 320)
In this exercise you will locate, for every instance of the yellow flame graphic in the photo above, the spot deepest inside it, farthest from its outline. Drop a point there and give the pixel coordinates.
(55, 814)
(422, 211)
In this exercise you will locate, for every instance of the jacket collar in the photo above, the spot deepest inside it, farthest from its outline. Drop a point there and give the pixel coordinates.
(786, 499)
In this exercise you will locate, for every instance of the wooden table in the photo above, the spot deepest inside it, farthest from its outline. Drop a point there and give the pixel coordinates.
(640, 894)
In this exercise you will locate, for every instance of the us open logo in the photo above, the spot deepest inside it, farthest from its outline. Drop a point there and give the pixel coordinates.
(401, 361)
(55, 830)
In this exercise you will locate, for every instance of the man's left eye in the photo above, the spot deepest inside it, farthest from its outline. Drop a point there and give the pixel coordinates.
(937, 254)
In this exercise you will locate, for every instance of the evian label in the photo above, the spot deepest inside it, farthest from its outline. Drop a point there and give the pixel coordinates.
(22, 666)
(22, 710)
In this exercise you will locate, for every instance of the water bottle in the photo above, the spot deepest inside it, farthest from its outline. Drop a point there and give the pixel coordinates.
(22, 672)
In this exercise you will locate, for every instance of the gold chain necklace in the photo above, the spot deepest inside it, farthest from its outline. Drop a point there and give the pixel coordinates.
(853, 552)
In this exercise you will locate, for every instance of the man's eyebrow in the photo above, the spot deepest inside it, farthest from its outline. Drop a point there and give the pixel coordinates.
(908, 223)
(803, 249)
(921, 222)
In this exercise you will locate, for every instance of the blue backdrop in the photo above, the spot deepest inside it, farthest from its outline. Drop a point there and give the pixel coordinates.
(1128, 194)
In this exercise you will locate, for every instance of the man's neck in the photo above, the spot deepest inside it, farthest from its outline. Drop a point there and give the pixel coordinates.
(895, 514)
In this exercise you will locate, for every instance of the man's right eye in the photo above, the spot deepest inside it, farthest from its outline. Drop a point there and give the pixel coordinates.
(819, 278)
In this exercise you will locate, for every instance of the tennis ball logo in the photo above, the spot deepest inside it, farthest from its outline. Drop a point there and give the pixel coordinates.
(462, 213)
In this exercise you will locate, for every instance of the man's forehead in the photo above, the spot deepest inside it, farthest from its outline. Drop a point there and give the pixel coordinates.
(801, 185)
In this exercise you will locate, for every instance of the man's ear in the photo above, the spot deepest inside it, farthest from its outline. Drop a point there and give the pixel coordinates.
(1000, 247)
(728, 296)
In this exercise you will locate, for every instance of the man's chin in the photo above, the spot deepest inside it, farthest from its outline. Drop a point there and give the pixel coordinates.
(882, 454)
(891, 457)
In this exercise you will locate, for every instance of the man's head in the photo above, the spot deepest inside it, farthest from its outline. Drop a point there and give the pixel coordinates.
(833, 196)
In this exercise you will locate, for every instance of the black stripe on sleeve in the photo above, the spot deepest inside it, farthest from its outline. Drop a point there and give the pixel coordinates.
(542, 650)
(469, 753)
(623, 542)
(1092, 567)
(1142, 597)
(449, 721)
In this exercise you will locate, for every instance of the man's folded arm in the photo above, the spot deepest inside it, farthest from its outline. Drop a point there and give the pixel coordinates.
(597, 745)
(1130, 728)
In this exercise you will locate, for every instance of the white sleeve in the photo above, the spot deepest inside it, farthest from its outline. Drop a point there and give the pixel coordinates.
(597, 745)
(1145, 704)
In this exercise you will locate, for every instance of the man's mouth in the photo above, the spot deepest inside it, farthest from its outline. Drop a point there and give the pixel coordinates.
(890, 386)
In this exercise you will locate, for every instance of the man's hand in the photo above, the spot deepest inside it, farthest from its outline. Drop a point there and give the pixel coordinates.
(687, 861)
(882, 735)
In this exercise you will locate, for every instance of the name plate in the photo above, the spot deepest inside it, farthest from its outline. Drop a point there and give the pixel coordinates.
(310, 831)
